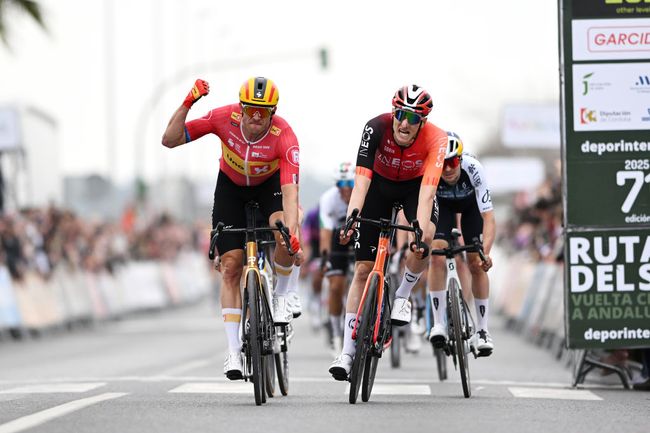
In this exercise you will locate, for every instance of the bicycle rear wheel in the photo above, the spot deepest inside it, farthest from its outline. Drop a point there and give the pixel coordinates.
(395, 349)
(458, 325)
(253, 291)
(441, 361)
(269, 375)
(282, 362)
(364, 340)
(372, 359)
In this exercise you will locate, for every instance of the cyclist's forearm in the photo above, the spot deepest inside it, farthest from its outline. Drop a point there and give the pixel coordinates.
(358, 197)
(175, 133)
(489, 231)
(290, 206)
(425, 207)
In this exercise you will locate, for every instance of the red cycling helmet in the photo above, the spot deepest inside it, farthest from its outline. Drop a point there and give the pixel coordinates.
(413, 98)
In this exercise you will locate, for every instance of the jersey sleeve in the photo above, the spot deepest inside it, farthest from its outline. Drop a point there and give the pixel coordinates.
(370, 138)
(289, 157)
(326, 214)
(435, 158)
(479, 182)
(197, 128)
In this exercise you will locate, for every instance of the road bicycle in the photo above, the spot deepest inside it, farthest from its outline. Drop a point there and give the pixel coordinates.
(460, 324)
(372, 330)
(261, 339)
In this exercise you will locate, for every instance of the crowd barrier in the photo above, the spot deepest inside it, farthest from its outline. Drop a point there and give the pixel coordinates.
(530, 295)
(69, 296)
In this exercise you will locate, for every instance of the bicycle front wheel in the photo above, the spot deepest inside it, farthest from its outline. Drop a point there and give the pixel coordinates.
(282, 362)
(373, 358)
(253, 291)
(441, 361)
(364, 339)
(458, 325)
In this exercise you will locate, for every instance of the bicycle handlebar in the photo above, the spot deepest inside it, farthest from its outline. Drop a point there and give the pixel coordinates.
(354, 216)
(220, 228)
(475, 247)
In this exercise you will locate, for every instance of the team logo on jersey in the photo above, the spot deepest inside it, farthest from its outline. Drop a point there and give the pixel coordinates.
(275, 131)
(293, 156)
(236, 117)
(486, 197)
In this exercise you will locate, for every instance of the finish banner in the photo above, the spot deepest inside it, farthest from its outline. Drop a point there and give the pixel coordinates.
(609, 289)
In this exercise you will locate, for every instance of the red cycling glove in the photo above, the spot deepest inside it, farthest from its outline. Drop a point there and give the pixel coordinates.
(295, 244)
(200, 89)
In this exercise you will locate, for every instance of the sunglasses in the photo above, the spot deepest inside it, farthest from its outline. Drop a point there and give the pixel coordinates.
(263, 112)
(452, 162)
(345, 183)
(411, 118)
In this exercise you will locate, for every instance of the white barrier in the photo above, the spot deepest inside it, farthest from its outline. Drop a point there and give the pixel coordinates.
(71, 295)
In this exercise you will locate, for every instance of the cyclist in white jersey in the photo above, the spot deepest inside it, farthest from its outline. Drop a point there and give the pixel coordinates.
(333, 210)
(463, 189)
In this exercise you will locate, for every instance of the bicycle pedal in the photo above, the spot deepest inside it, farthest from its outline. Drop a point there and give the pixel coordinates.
(484, 353)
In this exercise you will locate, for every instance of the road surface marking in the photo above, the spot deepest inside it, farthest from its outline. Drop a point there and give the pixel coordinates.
(214, 388)
(46, 415)
(554, 393)
(48, 388)
(379, 389)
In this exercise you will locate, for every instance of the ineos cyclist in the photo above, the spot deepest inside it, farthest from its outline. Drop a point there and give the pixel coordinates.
(400, 159)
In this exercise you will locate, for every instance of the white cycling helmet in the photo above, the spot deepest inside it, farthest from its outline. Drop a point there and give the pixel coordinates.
(454, 145)
(344, 172)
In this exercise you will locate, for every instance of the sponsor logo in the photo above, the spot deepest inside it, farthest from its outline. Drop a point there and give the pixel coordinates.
(389, 149)
(373, 249)
(587, 116)
(262, 169)
(365, 138)
(618, 38)
(275, 130)
(481, 310)
(471, 169)
(641, 84)
(436, 303)
(293, 156)
(410, 277)
(351, 322)
(236, 117)
(486, 197)
(277, 193)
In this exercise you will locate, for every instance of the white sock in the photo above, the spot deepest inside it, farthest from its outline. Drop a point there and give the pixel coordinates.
(283, 274)
(481, 313)
(231, 321)
(293, 279)
(408, 281)
(349, 345)
(335, 322)
(439, 304)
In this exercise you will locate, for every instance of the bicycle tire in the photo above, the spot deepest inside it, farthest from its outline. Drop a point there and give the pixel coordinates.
(363, 345)
(372, 360)
(269, 375)
(395, 349)
(282, 364)
(253, 290)
(441, 362)
(459, 341)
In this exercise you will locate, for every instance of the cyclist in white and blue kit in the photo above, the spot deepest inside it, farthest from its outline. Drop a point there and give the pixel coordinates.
(463, 190)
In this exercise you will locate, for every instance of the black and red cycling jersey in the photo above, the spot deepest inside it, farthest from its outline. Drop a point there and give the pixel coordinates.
(378, 152)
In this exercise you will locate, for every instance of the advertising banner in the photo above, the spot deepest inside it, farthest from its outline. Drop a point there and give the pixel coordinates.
(609, 289)
(605, 79)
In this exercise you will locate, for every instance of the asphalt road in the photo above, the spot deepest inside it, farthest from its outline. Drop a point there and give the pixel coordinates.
(162, 372)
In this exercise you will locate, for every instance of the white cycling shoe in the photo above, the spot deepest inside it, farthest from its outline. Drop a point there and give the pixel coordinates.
(232, 366)
(482, 343)
(282, 313)
(401, 314)
(438, 335)
(341, 366)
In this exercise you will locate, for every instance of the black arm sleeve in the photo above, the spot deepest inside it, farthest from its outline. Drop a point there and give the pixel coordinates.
(370, 139)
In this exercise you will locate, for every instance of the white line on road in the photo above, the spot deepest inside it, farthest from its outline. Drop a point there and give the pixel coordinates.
(46, 415)
(379, 389)
(48, 388)
(214, 388)
(558, 394)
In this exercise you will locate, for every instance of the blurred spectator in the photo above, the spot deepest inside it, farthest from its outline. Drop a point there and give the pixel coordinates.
(39, 240)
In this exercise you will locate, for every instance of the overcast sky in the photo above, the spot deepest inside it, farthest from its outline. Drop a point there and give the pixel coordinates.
(473, 56)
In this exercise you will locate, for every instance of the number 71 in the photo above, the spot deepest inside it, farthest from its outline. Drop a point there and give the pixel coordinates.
(637, 177)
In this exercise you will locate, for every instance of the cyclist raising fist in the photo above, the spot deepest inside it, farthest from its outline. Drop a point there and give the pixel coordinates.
(260, 162)
(400, 159)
